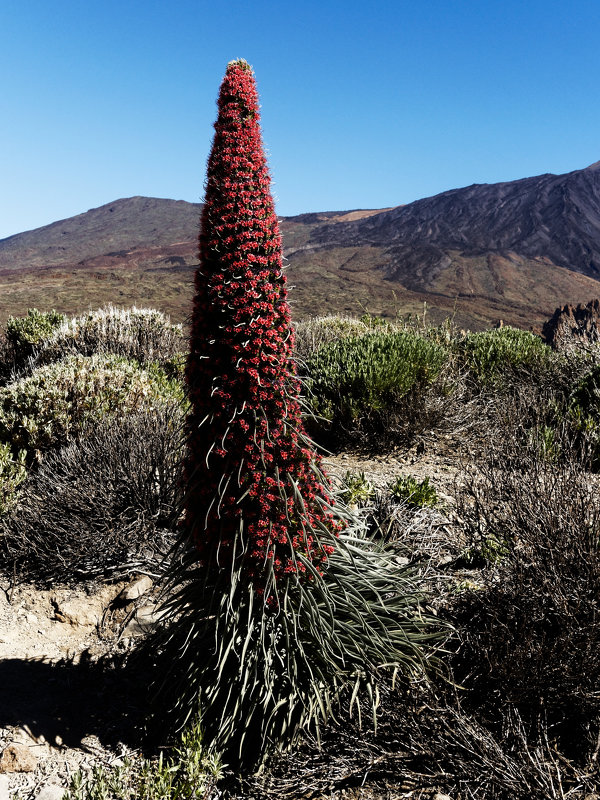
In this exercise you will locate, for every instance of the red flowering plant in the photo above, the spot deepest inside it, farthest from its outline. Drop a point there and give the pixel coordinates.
(280, 598)
(248, 460)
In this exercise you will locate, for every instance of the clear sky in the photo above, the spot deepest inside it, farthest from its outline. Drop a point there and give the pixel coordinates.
(364, 105)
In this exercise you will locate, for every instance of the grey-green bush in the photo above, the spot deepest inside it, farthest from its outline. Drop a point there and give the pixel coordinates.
(492, 355)
(48, 407)
(363, 377)
(315, 332)
(143, 334)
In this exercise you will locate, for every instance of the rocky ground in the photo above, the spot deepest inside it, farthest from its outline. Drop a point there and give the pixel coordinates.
(59, 712)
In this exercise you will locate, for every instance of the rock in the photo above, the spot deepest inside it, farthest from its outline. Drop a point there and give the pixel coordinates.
(570, 326)
(145, 619)
(4, 795)
(51, 791)
(440, 796)
(77, 612)
(136, 589)
(17, 758)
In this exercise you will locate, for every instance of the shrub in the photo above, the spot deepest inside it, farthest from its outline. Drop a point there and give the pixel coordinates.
(530, 636)
(103, 505)
(23, 334)
(359, 381)
(494, 355)
(141, 334)
(311, 334)
(55, 402)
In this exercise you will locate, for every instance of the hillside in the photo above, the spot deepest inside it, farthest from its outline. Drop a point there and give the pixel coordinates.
(512, 251)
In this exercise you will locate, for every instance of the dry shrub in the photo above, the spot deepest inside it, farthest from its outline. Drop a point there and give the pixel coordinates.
(101, 505)
(531, 633)
(425, 743)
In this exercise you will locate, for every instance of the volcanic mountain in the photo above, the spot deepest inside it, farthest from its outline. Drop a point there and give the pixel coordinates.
(512, 251)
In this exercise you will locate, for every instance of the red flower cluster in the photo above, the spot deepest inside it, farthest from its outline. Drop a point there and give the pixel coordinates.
(255, 490)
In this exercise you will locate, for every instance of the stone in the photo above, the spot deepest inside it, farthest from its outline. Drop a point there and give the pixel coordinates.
(136, 589)
(51, 791)
(77, 612)
(146, 618)
(4, 793)
(17, 758)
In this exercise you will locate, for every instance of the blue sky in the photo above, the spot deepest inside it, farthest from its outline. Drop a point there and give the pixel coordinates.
(364, 105)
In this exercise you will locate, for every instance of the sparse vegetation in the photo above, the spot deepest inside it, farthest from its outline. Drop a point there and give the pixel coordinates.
(189, 772)
(87, 492)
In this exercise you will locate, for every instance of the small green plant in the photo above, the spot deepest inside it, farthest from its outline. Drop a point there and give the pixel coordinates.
(190, 772)
(416, 493)
(357, 490)
(491, 355)
(488, 551)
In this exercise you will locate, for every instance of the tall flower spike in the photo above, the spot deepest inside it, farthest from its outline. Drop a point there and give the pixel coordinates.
(280, 598)
(248, 460)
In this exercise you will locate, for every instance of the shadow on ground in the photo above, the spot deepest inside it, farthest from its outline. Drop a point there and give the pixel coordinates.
(74, 700)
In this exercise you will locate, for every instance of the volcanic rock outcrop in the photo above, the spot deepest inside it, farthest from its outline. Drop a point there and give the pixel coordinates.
(570, 326)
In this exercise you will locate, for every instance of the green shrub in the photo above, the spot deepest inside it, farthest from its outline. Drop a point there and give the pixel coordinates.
(24, 333)
(52, 404)
(365, 376)
(491, 355)
(415, 493)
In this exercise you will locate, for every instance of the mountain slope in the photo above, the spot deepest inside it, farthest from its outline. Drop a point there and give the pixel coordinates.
(115, 227)
(555, 217)
(512, 251)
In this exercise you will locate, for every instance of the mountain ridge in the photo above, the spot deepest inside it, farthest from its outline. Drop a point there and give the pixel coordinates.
(513, 250)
